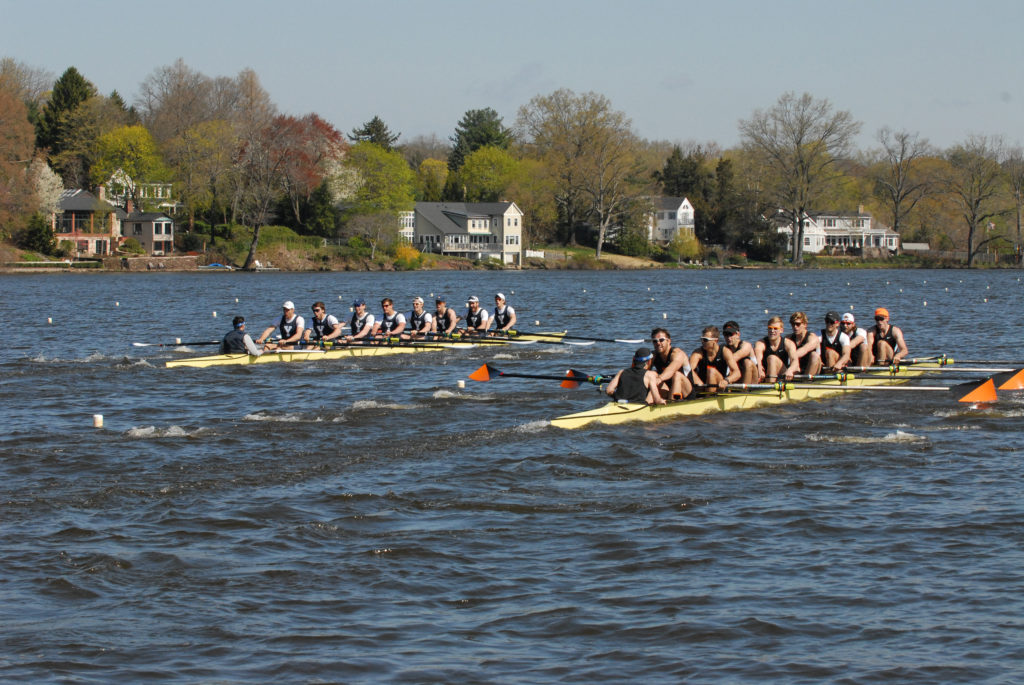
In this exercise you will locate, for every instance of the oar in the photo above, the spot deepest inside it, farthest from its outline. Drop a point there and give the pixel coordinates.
(177, 344)
(501, 340)
(571, 379)
(937, 369)
(628, 341)
(944, 360)
(985, 392)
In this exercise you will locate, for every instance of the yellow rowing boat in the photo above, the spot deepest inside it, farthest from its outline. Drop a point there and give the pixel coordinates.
(627, 412)
(356, 349)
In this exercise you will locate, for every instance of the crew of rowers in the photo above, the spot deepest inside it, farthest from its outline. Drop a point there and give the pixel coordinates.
(668, 373)
(326, 330)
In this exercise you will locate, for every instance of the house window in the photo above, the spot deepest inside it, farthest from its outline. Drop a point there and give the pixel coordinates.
(136, 229)
(807, 241)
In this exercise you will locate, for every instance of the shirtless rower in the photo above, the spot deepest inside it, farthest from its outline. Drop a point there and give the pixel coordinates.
(885, 340)
(361, 325)
(742, 352)
(835, 344)
(504, 316)
(391, 323)
(477, 319)
(807, 344)
(445, 318)
(713, 365)
(638, 383)
(420, 322)
(672, 366)
(290, 328)
(323, 327)
(860, 354)
(775, 354)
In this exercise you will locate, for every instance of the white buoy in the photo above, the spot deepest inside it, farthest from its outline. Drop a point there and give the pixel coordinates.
(97, 420)
(462, 384)
(986, 299)
(511, 292)
(117, 304)
(584, 290)
(49, 319)
(926, 303)
(664, 315)
(536, 323)
(215, 315)
(236, 299)
(766, 311)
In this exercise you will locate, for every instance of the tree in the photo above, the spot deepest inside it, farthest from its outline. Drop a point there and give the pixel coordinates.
(375, 131)
(898, 177)
(17, 196)
(260, 173)
(422, 148)
(976, 182)
(385, 181)
(201, 159)
(379, 230)
(28, 84)
(1013, 166)
(47, 184)
(486, 173)
(81, 131)
(691, 176)
(478, 128)
(314, 145)
(70, 90)
(798, 142)
(431, 177)
(174, 99)
(38, 235)
(132, 151)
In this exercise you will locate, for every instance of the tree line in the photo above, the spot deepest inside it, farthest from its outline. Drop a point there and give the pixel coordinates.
(571, 161)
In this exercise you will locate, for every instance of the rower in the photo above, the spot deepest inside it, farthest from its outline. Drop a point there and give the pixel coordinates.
(835, 344)
(504, 316)
(672, 366)
(742, 352)
(445, 319)
(807, 344)
(860, 353)
(885, 341)
(361, 324)
(237, 341)
(323, 327)
(392, 323)
(713, 364)
(775, 354)
(477, 319)
(291, 327)
(638, 383)
(420, 321)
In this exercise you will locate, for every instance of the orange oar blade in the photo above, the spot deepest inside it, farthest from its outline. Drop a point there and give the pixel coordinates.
(1016, 382)
(482, 374)
(986, 392)
(570, 381)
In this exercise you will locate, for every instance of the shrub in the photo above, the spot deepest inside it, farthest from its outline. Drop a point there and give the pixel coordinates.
(407, 258)
(37, 235)
(132, 245)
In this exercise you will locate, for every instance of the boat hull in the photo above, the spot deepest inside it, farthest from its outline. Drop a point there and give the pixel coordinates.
(616, 413)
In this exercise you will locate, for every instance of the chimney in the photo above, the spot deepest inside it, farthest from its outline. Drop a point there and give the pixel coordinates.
(101, 192)
(129, 206)
(860, 209)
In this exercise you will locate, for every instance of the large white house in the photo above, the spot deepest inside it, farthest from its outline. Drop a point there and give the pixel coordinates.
(669, 217)
(476, 230)
(841, 233)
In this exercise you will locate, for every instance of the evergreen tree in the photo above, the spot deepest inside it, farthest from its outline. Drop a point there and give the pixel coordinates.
(375, 131)
(38, 236)
(70, 90)
(477, 128)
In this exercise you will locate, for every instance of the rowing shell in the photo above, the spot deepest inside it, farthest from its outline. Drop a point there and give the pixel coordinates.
(340, 352)
(627, 412)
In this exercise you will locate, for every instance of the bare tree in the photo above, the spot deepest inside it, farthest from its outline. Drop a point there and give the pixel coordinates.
(260, 176)
(1013, 165)
(899, 181)
(976, 183)
(799, 141)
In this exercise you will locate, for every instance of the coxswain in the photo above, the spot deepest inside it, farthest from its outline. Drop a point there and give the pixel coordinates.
(237, 341)
(362, 321)
(323, 327)
(672, 366)
(504, 315)
(392, 323)
(742, 352)
(807, 344)
(291, 327)
(713, 364)
(477, 319)
(860, 353)
(445, 318)
(420, 321)
(835, 344)
(638, 383)
(885, 340)
(775, 354)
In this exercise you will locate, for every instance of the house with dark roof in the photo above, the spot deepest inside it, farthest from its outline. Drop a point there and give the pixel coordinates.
(669, 217)
(475, 230)
(90, 222)
(153, 230)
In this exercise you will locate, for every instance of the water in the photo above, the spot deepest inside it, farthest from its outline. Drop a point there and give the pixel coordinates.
(370, 521)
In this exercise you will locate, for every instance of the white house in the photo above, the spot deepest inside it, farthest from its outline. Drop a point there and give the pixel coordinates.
(668, 218)
(841, 233)
(476, 230)
(152, 195)
(407, 225)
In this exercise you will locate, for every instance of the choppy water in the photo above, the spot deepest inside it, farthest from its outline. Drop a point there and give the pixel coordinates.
(370, 521)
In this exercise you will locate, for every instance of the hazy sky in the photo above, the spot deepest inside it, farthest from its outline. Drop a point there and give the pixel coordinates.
(681, 70)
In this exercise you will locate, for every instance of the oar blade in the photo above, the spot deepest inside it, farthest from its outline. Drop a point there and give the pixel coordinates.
(573, 378)
(1014, 382)
(484, 373)
(986, 392)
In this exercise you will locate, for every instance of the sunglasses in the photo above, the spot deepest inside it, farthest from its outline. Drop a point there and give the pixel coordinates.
(879, 318)
(659, 339)
(709, 339)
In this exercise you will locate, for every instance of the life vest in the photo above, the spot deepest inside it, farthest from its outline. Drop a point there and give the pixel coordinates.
(358, 322)
(502, 316)
(288, 328)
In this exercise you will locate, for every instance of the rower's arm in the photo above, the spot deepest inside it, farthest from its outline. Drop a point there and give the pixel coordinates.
(265, 334)
(734, 368)
(610, 390)
(902, 351)
(250, 346)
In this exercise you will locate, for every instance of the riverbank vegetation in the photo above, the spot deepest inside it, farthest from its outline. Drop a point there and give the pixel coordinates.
(253, 184)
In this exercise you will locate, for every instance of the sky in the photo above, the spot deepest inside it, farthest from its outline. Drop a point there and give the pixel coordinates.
(682, 71)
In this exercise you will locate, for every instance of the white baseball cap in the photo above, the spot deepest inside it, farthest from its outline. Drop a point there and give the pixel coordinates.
(848, 318)
(289, 305)
(500, 296)
(473, 298)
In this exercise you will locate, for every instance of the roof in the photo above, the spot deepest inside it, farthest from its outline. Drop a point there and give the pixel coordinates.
(668, 202)
(443, 215)
(147, 216)
(78, 200)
